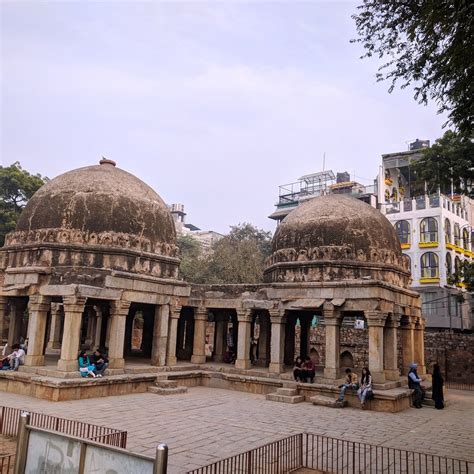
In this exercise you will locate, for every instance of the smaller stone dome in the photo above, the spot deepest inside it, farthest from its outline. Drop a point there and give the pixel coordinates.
(335, 237)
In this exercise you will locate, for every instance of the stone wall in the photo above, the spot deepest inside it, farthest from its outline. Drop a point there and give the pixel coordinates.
(453, 351)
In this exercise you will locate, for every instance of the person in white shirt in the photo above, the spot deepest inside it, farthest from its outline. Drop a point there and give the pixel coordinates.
(17, 357)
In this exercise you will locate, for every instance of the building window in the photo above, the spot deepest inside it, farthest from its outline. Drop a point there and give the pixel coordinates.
(429, 230)
(403, 231)
(429, 265)
(449, 264)
(465, 239)
(457, 236)
(457, 265)
(429, 303)
(447, 231)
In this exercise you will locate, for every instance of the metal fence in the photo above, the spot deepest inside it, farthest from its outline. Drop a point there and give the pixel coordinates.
(9, 418)
(460, 386)
(327, 455)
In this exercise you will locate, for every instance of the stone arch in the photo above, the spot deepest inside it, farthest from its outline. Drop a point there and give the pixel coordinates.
(346, 360)
(314, 355)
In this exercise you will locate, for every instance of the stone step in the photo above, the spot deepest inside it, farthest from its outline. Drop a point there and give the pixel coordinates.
(275, 397)
(166, 383)
(167, 391)
(289, 392)
(323, 401)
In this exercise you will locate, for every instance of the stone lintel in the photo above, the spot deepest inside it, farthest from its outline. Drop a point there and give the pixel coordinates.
(257, 304)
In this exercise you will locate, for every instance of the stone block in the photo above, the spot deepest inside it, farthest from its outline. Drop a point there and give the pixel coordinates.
(275, 397)
(167, 391)
(327, 402)
(287, 391)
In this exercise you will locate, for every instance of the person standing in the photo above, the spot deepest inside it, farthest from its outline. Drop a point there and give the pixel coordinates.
(437, 387)
(414, 382)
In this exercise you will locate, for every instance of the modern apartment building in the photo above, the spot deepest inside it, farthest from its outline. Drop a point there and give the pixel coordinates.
(435, 232)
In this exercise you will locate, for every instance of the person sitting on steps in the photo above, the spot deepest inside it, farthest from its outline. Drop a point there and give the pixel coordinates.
(309, 370)
(414, 382)
(298, 370)
(365, 386)
(351, 382)
(86, 369)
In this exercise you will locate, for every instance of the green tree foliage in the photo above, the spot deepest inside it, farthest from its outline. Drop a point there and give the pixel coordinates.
(16, 188)
(236, 258)
(449, 160)
(191, 255)
(427, 43)
(464, 275)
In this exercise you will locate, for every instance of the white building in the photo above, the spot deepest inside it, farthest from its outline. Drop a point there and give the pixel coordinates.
(435, 232)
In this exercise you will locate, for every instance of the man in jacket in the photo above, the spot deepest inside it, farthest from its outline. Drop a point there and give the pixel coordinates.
(414, 382)
(351, 382)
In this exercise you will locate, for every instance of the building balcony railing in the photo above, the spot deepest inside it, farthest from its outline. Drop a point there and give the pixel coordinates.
(424, 245)
(450, 246)
(429, 281)
(405, 246)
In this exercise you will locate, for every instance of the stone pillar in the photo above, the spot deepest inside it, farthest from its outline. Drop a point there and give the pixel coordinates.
(277, 343)
(199, 343)
(98, 326)
(173, 335)
(332, 321)
(90, 327)
(244, 317)
(17, 308)
(160, 335)
(107, 332)
(419, 346)
(118, 316)
(38, 307)
(73, 309)
(376, 323)
(220, 340)
(3, 317)
(55, 327)
(263, 339)
(408, 345)
(390, 353)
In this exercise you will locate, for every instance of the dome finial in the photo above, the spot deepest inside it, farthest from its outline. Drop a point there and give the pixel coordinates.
(106, 161)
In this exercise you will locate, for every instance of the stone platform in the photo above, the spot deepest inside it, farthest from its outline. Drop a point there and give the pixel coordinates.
(390, 398)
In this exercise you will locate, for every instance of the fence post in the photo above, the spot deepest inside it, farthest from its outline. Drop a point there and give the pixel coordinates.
(161, 459)
(300, 451)
(22, 443)
(249, 462)
(1, 420)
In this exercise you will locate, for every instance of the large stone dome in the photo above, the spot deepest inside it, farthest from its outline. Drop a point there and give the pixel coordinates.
(113, 219)
(335, 237)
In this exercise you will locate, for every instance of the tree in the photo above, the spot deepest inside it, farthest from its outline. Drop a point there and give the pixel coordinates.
(464, 275)
(428, 43)
(16, 188)
(449, 164)
(191, 255)
(236, 258)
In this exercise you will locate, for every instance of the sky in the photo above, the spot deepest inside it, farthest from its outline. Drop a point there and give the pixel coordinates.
(213, 104)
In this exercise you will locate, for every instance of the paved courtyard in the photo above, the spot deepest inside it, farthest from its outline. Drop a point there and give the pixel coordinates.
(205, 424)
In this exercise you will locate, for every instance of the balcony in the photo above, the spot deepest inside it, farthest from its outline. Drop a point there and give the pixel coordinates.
(405, 246)
(429, 281)
(426, 245)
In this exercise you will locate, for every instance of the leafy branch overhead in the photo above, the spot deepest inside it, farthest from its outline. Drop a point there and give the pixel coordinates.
(427, 43)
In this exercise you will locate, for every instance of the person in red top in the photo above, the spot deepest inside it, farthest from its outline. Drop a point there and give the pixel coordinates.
(309, 370)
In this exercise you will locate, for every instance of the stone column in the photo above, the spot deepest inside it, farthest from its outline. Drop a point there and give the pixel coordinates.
(38, 307)
(244, 317)
(263, 339)
(118, 316)
(173, 335)
(3, 317)
(220, 341)
(90, 327)
(391, 347)
(160, 335)
(277, 342)
(98, 326)
(17, 308)
(199, 350)
(73, 309)
(408, 345)
(376, 323)
(419, 346)
(107, 332)
(332, 321)
(55, 327)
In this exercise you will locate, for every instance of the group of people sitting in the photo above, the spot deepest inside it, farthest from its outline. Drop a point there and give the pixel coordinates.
(304, 371)
(16, 358)
(94, 366)
(364, 389)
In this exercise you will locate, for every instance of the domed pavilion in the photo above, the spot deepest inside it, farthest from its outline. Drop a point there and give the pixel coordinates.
(92, 247)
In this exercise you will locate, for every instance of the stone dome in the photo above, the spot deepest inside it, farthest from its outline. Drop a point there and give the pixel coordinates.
(334, 237)
(98, 205)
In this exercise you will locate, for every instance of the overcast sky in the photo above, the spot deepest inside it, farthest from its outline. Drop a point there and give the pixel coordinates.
(213, 104)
